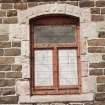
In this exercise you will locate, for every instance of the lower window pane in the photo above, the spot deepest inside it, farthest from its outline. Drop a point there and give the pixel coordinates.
(43, 68)
(68, 67)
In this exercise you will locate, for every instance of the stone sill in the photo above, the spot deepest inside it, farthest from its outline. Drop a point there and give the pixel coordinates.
(56, 98)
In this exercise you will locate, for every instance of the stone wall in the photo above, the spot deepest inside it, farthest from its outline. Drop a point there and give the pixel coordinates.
(14, 56)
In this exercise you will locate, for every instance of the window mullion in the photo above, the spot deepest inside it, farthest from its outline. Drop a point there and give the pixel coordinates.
(55, 66)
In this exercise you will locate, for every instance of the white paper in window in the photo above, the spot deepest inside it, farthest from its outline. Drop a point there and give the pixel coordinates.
(68, 67)
(43, 68)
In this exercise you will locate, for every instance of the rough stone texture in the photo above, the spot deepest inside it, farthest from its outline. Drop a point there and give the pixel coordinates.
(11, 13)
(89, 103)
(32, 4)
(1, 52)
(88, 81)
(101, 88)
(84, 68)
(86, 4)
(103, 11)
(4, 37)
(6, 6)
(86, 32)
(95, 10)
(100, 97)
(12, 52)
(96, 72)
(102, 34)
(14, 33)
(12, 20)
(56, 98)
(2, 74)
(1, 21)
(13, 75)
(2, 13)
(7, 91)
(9, 100)
(16, 44)
(100, 3)
(7, 82)
(5, 67)
(16, 67)
(4, 29)
(10, 1)
(23, 87)
(103, 57)
(101, 79)
(5, 44)
(21, 6)
(97, 65)
(94, 58)
(99, 103)
(97, 18)
(73, 3)
(96, 42)
(96, 49)
(6, 60)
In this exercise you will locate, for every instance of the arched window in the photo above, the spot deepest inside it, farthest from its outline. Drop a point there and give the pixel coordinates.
(55, 55)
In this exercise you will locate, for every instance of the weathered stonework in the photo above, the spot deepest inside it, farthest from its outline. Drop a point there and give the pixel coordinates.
(15, 50)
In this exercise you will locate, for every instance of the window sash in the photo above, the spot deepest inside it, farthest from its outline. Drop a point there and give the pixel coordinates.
(56, 69)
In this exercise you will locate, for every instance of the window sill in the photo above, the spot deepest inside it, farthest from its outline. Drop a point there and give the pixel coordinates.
(56, 98)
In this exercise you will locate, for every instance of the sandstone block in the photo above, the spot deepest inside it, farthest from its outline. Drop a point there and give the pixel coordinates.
(86, 3)
(100, 97)
(96, 42)
(13, 75)
(97, 18)
(7, 60)
(11, 13)
(21, 6)
(97, 65)
(9, 100)
(23, 87)
(5, 67)
(16, 67)
(101, 88)
(6, 6)
(1, 52)
(2, 13)
(12, 52)
(96, 49)
(10, 20)
(95, 10)
(16, 44)
(100, 79)
(4, 37)
(5, 44)
(7, 91)
(101, 34)
(96, 72)
(7, 82)
(2, 74)
(100, 3)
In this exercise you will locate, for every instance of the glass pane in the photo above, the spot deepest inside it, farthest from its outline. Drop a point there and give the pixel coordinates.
(68, 67)
(54, 34)
(43, 68)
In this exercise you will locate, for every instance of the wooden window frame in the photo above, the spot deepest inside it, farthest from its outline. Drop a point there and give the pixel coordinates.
(54, 90)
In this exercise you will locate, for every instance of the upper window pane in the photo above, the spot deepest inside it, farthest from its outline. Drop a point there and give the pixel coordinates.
(54, 34)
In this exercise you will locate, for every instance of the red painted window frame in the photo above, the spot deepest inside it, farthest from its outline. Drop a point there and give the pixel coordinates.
(54, 90)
